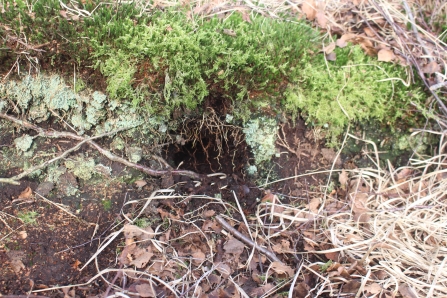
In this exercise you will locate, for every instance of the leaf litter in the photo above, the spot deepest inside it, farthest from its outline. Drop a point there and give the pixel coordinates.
(342, 243)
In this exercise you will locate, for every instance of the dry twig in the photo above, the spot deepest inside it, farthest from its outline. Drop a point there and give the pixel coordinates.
(247, 241)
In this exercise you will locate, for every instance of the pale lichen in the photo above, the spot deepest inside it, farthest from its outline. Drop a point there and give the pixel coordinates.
(260, 134)
(83, 168)
(24, 142)
(134, 154)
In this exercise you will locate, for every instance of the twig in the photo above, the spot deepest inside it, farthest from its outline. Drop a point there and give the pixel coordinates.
(13, 180)
(244, 239)
(108, 154)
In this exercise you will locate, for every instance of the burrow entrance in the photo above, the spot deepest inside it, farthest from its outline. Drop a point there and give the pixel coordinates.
(209, 144)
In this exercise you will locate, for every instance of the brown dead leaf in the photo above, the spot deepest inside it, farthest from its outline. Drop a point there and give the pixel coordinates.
(407, 292)
(309, 10)
(63, 13)
(329, 48)
(269, 197)
(313, 205)
(353, 238)
(165, 214)
(246, 16)
(351, 286)
(283, 247)
(214, 279)
(76, 264)
(142, 256)
(369, 32)
(301, 290)
(132, 231)
(234, 246)
(208, 213)
(26, 194)
(385, 55)
(15, 260)
(359, 206)
(211, 225)
(321, 19)
(343, 272)
(341, 43)
(198, 257)
(334, 256)
(140, 183)
(373, 288)
(261, 291)
(229, 291)
(224, 269)
(347, 37)
(331, 56)
(404, 173)
(367, 46)
(282, 269)
(431, 67)
(162, 270)
(146, 290)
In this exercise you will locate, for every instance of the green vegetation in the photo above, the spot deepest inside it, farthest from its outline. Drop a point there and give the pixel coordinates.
(173, 62)
(163, 62)
(28, 218)
(143, 222)
(355, 88)
(106, 204)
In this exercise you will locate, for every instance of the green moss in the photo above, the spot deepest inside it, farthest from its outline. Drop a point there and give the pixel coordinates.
(189, 61)
(355, 88)
(107, 204)
(28, 218)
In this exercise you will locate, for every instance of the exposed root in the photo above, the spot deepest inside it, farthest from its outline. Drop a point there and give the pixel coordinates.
(211, 126)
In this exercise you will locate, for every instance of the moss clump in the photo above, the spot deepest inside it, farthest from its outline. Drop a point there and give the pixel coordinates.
(172, 61)
(353, 89)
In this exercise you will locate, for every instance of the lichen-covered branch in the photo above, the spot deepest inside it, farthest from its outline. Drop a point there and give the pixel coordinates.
(14, 180)
(89, 141)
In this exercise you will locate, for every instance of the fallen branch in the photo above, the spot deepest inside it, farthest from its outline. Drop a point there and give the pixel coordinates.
(89, 141)
(14, 180)
(246, 240)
